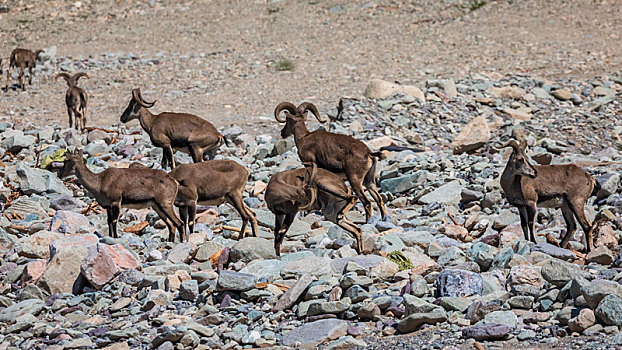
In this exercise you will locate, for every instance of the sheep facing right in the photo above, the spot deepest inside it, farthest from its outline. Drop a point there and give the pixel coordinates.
(309, 188)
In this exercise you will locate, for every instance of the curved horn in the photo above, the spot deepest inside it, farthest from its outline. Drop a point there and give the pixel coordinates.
(65, 76)
(308, 106)
(78, 75)
(511, 143)
(288, 106)
(311, 186)
(139, 99)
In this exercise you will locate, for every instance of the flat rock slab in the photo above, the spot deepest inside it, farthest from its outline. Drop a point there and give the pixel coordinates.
(293, 294)
(486, 332)
(554, 251)
(310, 335)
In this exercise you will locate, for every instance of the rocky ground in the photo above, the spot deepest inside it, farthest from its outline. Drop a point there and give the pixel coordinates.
(231, 62)
(448, 268)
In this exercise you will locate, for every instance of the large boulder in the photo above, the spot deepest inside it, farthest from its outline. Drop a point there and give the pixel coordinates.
(310, 335)
(472, 136)
(378, 88)
(39, 181)
(65, 221)
(459, 283)
(104, 262)
(63, 272)
(37, 245)
(235, 281)
(252, 248)
(558, 272)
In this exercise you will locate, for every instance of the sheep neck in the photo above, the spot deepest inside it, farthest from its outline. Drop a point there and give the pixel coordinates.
(300, 131)
(510, 182)
(146, 119)
(88, 179)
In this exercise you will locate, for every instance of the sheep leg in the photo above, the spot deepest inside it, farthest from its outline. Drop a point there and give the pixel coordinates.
(30, 74)
(70, 113)
(283, 226)
(253, 218)
(236, 199)
(169, 213)
(115, 210)
(196, 153)
(192, 213)
(8, 77)
(83, 114)
(571, 225)
(109, 219)
(353, 229)
(167, 222)
(578, 209)
(183, 215)
(168, 153)
(532, 211)
(356, 182)
(524, 221)
(20, 77)
(373, 190)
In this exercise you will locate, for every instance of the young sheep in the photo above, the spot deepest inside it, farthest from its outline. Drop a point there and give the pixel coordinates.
(181, 131)
(75, 99)
(334, 152)
(564, 186)
(309, 188)
(211, 183)
(115, 188)
(23, 59)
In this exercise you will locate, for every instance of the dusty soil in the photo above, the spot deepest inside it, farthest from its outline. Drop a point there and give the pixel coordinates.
(221, 59)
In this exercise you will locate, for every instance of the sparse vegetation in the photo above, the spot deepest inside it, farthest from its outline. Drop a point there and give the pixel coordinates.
(285, 64)
(476, 5)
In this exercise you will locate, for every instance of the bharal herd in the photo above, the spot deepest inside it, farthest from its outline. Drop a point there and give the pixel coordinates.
(328, 160)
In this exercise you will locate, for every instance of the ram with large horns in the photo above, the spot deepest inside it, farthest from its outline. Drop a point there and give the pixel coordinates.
(174, 131)
(338, 153)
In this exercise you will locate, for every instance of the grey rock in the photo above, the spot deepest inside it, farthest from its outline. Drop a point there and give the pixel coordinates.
(312, 334)
(609, 310)
(446, 194)
(252, 248)
(26, 307)
(554, 251)
(414, 321)
(507, 318)
(182, 253)
(486, 332)
(558, 272)
(459, 283)
(189, 290)
(38, 181)
(235, 281)
(289, 298)
(404, 183)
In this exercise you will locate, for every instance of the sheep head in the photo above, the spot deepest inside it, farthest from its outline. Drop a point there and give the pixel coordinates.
(294, 115)
(518, 161)
(132, 111)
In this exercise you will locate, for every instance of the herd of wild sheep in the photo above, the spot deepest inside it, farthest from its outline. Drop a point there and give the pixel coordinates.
(328, 159)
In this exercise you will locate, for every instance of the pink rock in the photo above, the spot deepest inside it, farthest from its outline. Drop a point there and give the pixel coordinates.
(423, 263)
(511, 233)
(605, 236)
(456, 232)
(33, 271)
(525, 274)
(105, 262)
(87, 241)
(173, 282)
(122, 257)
